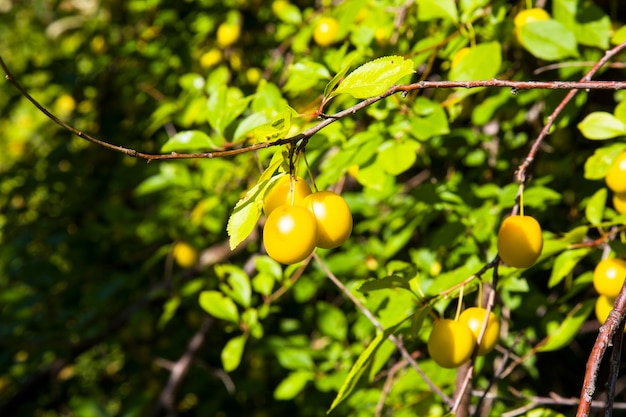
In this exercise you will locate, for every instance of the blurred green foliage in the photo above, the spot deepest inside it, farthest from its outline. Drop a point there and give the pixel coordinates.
(95, 308)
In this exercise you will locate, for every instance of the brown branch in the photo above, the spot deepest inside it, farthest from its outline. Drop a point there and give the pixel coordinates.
(387, 386)
(179, 369)
(608, 330)
(585, 84)
(553, 399)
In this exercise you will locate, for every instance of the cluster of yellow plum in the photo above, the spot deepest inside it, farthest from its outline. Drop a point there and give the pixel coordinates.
(452, 342)
(298, 220)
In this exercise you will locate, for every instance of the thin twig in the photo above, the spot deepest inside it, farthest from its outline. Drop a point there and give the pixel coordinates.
(180, 368)
(553, 399)
(387, 386)
(521, 171)
(397, 342)
(585, 84)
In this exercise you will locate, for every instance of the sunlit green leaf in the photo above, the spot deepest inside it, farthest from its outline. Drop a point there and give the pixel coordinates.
(247, 211)
(291, 386)
(360, 366)
(219, 306)
(336, 79)
(224, 106)
(232, 352)
(598, 164)
(189, 140)
(331, 321)
(375, 77)
(433, 9)
(549, 40)
(601, 125)
(398, 156)
(568, 328)
(564, 264)
(169, 309)
(594, 210)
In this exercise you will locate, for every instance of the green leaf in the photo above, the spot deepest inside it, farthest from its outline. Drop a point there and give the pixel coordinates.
(248, 210)
(433, 9)
(225, 105)
(398, 156)
(482, 62)
(169, 309)
(328, 90)
(189, 140)
(601, 125)
(288, 13)
(278, 128)
(232, 353)
(331, 321)
(565, 263)
(245, 216)
(360, 366)
(305, 75)
(549, 40)
(219, 306)
(588, 22)
(375, 77)
(248, 125)
(619, 36)
(295, 358)
(593, 27)
(430, 119)
(470, 8)
(568, 328)
(292, 385)
(594, 211)
(598, 164)
(238, 287)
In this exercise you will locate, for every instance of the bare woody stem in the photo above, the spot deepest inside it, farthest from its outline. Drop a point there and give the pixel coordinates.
(584, 84)
(613, 326)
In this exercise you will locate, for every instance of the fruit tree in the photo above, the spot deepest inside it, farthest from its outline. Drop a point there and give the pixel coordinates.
(353, 208)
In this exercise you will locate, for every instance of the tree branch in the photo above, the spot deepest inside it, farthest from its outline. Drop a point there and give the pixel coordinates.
(584, 84)
(613, 324)
(179, 369)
